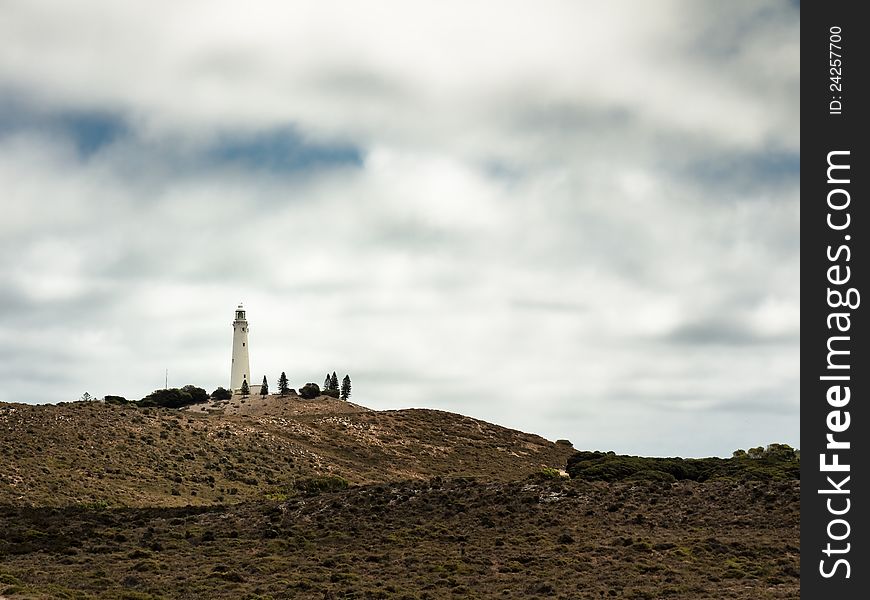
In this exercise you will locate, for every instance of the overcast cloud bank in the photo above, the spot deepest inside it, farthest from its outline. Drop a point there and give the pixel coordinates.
(579, 219)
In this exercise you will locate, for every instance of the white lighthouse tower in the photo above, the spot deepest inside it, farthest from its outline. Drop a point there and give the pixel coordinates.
(241, 367)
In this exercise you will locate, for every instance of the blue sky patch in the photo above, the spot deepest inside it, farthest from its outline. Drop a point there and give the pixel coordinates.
(92, 131)
(282, 150)
(757, 169)
(88, 131)
(278, 150)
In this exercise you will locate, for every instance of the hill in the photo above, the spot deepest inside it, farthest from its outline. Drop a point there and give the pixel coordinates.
(285, 499)
(95, 453)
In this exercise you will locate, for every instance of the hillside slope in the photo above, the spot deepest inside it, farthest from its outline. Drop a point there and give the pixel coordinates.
(422, 540)
(98, 454)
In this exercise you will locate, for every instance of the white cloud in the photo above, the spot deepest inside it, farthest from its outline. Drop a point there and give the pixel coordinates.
(562, 217)
(397, 71)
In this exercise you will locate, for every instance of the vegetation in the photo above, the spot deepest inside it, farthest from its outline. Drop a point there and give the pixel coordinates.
(221, 393)
(345, 387)
(432, 538)
(115, 400)
(175, 397)
(245, 389)
(550, 473)
(318, 485)
(129, 456)
(309, 391)
(101, 500)
(264, 389)
(330, 386)
(776, 462)
(772, 451)
(283, 384)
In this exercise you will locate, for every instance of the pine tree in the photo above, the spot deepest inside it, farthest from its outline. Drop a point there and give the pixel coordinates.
(245, 389)
(264, 389)
(327, 381)
(333, 382)
(345, 387)
(283, 386)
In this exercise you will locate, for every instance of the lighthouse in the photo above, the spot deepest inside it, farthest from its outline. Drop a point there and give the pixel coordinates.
(241, 366)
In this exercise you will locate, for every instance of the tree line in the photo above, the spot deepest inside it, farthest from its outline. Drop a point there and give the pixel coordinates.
(191, 394)
(331, 387)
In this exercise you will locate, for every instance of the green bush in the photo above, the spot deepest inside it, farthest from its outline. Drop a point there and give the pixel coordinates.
(315, 485)
(550, 473)
(221, 394)
(175, 398)
(197, 394)
(309, 391)
(652, 475)
(777, 461)
(308, 486)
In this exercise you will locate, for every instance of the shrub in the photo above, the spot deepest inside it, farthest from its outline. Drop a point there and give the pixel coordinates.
(175, 398)
(197, 394)
(780, 451)
(755, 452)
(653, 475)
(315, 485)
(115, 400)
(221, 394)
(777, 462)
(331, 393)
(565, 538)
(309, 391)
(550, 473)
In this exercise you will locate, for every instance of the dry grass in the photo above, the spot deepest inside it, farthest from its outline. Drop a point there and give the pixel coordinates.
(86, 453)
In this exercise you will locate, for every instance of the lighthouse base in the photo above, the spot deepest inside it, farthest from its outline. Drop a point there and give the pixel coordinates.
(254, 390)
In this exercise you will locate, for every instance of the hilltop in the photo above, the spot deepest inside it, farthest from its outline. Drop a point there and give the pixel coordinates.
(90, 452)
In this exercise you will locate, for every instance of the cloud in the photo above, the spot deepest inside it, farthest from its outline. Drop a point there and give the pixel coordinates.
(400, 71)
(551, 216)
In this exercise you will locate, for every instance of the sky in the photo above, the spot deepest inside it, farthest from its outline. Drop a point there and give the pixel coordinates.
(575, 218)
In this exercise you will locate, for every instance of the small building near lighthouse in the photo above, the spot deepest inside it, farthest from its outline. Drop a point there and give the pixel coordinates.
(241, 365)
